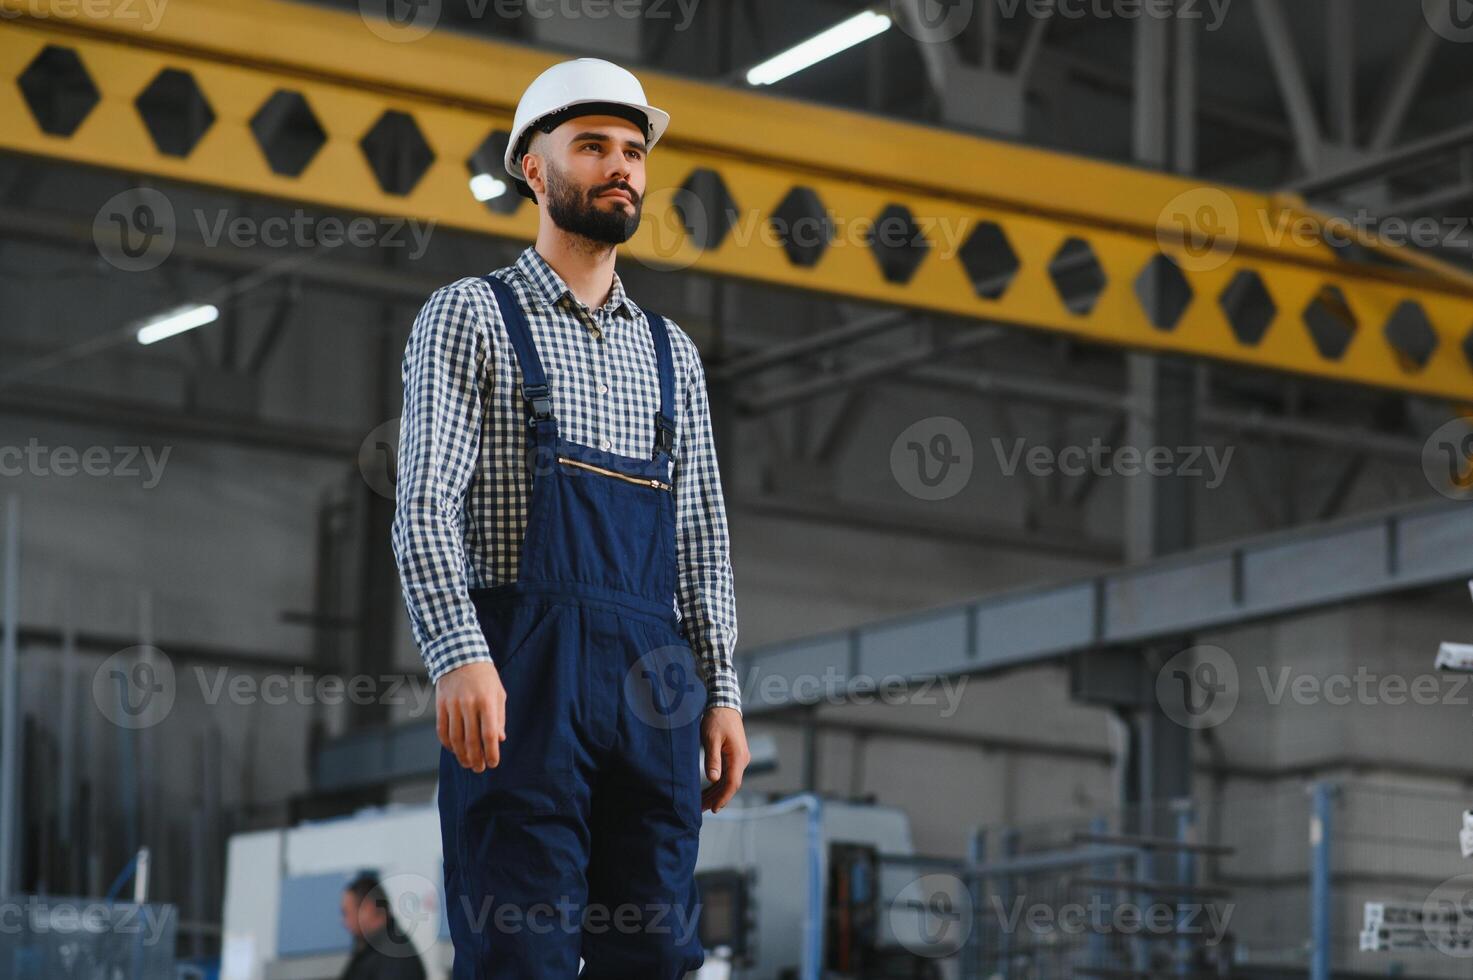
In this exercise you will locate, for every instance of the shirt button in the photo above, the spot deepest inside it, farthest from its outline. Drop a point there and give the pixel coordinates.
(603, 389)
(606, 445)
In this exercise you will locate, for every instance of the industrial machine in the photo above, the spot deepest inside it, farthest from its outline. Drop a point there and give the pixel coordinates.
(805, 888)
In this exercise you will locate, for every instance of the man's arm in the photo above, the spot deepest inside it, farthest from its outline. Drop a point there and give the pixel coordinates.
(706, 592)
(439, 440)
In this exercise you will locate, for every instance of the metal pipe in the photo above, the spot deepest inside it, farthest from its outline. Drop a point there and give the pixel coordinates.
(868, 371)
(1407, 154)
(1289, 72)
(68, 753)
(976, 884)
(166, 422)
(350, 278)
(10, 679)
(180, 651)
(140, 877)
(1321, 928)
(1097, 951)
(1186, 861)
(784, 353)
(1340, 70)
(1403, 89)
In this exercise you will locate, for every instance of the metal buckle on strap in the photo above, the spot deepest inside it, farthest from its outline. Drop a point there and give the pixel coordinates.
(539, 402)
(664, 433)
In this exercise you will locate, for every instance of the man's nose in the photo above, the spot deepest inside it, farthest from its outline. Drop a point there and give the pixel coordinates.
(618, 168)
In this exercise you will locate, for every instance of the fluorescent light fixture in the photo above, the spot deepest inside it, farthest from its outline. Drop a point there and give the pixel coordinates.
(485, 187)
(177, 322)
(845, 34)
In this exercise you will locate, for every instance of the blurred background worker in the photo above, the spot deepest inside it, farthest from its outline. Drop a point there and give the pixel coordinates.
(381, 950)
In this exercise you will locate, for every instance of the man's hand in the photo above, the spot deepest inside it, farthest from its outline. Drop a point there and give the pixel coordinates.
(470, 714)
(726, 756)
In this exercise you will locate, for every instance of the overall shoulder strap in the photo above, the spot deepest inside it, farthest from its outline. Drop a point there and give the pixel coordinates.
(534, 379)
(665, 416)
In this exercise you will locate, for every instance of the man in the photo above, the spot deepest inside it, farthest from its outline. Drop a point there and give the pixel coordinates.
(381, 950)
(562, 541)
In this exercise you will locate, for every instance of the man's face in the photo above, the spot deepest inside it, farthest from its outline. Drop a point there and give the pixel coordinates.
(593, 168)
(361, 918)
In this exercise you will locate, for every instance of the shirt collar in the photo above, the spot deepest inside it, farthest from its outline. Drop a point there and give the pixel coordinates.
(551, 288)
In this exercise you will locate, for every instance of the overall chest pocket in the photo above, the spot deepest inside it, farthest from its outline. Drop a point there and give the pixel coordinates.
(607, 527)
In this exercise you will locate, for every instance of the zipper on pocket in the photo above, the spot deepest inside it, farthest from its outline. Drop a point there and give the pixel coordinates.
(639, 480)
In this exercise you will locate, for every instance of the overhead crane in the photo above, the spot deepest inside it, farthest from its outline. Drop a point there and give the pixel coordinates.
(325, 109)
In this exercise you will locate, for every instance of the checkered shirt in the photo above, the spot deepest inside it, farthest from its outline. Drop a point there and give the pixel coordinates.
(462, 489)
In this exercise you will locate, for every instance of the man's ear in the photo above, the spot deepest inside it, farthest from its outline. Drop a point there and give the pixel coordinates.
(535, 145)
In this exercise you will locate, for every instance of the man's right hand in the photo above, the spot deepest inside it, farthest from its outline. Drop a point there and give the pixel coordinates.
(470, 714)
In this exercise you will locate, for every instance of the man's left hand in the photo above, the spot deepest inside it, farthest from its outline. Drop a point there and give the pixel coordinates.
(726, 756)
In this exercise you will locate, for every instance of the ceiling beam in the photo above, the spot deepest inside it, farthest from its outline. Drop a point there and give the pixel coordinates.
(757, 148)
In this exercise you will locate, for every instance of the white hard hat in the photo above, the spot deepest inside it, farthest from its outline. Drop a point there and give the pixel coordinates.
(581, 87)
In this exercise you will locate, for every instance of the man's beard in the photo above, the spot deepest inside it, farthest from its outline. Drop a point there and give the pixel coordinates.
(579, 213)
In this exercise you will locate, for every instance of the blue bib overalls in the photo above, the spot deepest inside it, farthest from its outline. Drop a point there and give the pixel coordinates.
(582, 841)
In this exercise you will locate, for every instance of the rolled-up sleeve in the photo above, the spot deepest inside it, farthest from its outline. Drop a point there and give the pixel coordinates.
(706, 594)
(439, 439)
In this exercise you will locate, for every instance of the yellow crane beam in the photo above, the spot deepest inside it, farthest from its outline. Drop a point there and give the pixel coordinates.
(340, 111)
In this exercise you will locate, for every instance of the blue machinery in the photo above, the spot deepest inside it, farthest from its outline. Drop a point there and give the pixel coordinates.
(1320, 828)
(1131, 878)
